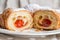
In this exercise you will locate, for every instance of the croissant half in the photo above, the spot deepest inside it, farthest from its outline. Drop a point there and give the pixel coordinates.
(46, 19)
(17, 20)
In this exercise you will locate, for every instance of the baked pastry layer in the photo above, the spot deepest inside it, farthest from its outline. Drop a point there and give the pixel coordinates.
(46, 19)
(17, 20)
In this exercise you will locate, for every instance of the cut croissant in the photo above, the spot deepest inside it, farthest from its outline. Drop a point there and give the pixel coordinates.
(17, 20)
(46, 19)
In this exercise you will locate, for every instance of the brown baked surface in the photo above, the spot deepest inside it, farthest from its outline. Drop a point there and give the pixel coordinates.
(46, 19)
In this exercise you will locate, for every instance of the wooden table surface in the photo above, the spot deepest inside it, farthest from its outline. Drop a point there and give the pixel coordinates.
(21, 3)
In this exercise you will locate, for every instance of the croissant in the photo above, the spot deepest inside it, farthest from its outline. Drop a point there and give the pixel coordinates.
(17, 20)
(46, 19)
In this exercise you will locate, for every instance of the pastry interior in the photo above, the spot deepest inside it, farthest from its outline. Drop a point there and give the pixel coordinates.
(17, 20)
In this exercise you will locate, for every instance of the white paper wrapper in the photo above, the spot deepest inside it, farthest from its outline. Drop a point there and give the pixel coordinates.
(34, 7)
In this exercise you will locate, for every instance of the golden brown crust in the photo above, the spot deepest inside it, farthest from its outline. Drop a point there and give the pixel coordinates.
(54, 13)
(58, 20)
(5, 16)
(1, 21)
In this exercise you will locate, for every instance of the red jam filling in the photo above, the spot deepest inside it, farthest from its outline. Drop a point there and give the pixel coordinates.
(19, 23)
(45, 23)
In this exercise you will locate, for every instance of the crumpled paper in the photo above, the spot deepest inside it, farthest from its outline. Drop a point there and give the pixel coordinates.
(34, 7)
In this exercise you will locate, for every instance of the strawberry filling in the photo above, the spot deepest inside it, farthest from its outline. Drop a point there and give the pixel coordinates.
(19, 23)
(45, 23)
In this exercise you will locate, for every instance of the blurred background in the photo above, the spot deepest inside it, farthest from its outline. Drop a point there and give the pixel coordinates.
(21, 3)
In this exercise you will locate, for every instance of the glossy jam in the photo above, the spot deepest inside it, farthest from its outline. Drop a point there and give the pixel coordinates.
(45, 23)
(19, 23)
